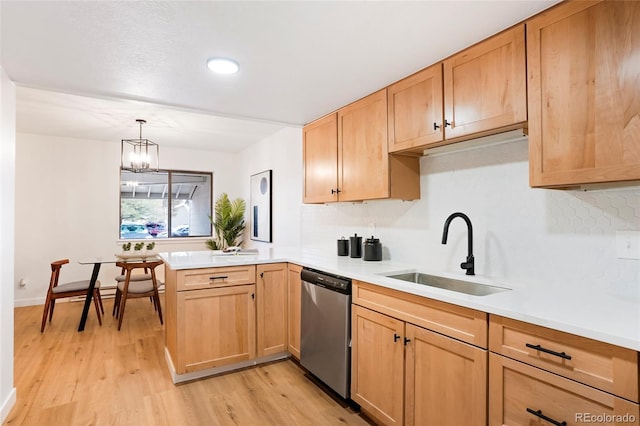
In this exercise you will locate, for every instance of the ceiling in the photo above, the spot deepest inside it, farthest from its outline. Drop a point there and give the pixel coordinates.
(88, 69)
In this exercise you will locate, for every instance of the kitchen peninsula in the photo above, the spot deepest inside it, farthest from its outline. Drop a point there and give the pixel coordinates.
(226, 312)
(607, 318)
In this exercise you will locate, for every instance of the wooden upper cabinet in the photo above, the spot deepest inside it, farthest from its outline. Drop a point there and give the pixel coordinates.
(346, 157)
(415, 110)
(320, 152)
(485, 86)
(584, 93)
(362, 143)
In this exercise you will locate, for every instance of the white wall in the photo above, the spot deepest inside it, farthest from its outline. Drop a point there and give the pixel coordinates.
(282, 153)
(7, 217)
(67, 205)
(522, 236)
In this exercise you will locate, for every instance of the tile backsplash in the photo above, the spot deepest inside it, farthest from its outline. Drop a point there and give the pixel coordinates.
(522, 236)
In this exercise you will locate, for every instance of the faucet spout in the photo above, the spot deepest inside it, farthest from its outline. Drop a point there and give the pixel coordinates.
(469, 265)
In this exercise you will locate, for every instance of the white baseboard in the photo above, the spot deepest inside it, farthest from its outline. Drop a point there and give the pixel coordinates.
(19, 303)
(7, 405)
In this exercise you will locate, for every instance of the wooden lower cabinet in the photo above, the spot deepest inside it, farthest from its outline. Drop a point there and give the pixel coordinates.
(526, 395)
(294, 285)
(377, 365)
(271, 293)
(446, 380)
(404, 374)
(214, 327)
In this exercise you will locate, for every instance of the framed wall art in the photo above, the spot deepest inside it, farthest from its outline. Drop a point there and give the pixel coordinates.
(260, 208)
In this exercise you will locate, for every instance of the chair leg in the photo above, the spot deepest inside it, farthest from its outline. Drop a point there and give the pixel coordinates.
(97, 306)
(51, 306)
(45, 313)
(99, 297)
(116, 303)
(156, 299)
(121, 311)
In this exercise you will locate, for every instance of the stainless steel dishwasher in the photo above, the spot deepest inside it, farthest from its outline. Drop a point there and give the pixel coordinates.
(325, 328)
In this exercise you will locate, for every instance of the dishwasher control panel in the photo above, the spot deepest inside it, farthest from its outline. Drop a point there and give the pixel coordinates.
(324, 279)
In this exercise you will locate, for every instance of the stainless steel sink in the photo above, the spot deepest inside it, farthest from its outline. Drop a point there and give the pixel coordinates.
(459, 286)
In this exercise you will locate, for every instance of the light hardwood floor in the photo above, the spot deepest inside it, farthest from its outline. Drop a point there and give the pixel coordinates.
(105, 377)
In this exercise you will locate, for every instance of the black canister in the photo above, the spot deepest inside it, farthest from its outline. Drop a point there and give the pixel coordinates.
(343, 247)
(372, 249)
(355, 246)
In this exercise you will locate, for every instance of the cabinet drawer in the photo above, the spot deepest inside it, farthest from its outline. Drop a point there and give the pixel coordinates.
(522, 394)
(458, 322)
(602, 365)
(193, 279)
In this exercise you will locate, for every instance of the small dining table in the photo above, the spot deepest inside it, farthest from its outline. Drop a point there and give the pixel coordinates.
(97, 263)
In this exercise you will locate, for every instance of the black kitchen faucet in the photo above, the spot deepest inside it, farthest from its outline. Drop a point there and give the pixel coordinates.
(469, 264)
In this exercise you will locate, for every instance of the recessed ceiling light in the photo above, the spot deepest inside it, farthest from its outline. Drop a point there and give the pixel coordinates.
(223, 65)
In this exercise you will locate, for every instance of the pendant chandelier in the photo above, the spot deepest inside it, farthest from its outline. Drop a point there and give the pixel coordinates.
(139, 155)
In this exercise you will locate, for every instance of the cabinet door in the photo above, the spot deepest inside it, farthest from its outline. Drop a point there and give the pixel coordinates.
(215, 327)
(524, 395)
(584, 93)
(485, 85)
(271, 292)
(293, 302)
(415, 110)
(320, 152)
(362, 145)
(377, 365)
(446, 380)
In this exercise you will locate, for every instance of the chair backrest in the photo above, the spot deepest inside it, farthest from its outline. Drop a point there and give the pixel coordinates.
(55, 272)
(126, 266)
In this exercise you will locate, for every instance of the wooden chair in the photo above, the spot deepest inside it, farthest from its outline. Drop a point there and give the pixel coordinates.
(72, 289)
(136, 285)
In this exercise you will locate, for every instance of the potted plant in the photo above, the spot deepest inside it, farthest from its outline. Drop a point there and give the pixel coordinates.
(228, 223)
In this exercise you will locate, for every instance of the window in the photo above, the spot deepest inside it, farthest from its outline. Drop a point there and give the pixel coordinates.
(165, 204)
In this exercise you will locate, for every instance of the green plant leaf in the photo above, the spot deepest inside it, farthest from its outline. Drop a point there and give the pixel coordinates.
(228, 223)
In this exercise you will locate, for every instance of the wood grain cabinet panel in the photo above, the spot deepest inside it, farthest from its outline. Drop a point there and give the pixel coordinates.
(485, 85)
(362, 143)
(525, 395)
(194, 279)
(210, 323)
(271, 293)
(584, 93)
(446, 380)
(477, 92)
(415, 109)
(604, 366)
(215, 327)
(465, 324)
(377, 359)
(320, 160)
(294, 284)
(355, 165)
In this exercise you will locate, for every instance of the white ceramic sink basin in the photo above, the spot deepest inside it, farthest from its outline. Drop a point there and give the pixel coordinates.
(452, 284)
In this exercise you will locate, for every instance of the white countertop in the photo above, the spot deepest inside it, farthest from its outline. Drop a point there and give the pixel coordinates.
(605, 317)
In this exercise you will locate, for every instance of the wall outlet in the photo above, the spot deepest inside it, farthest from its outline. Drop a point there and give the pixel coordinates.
(628, 244)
